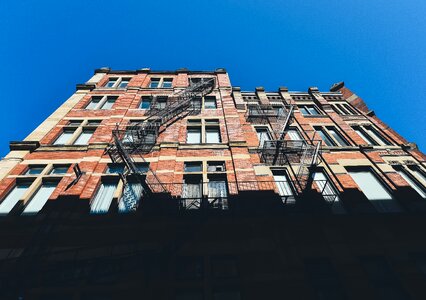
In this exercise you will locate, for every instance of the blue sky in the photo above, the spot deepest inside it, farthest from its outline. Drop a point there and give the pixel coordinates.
(377, 47)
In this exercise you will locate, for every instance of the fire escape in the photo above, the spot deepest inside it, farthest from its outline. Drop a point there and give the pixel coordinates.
(300, 155)
(130, 142)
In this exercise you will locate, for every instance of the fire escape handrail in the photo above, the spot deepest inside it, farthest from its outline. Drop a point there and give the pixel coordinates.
(140, 138)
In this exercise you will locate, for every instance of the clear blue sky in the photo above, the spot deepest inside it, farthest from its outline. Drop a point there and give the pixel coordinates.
(377, 47)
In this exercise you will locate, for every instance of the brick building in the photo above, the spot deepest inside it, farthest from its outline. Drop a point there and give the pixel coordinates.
(178, 185)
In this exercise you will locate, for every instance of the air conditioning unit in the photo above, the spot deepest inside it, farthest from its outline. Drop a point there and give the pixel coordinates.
(219, 168)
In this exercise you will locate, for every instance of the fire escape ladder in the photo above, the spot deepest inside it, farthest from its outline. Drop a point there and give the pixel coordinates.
(308, 160)
(139, 139)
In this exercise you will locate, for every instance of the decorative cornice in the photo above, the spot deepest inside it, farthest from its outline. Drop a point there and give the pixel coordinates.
(24, 145)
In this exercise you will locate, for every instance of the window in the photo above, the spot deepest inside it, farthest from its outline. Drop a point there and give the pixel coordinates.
(117, 82)
(77, 136)
(418, 173)
(167, 83)
(64, 137)
(109, 102)
(370, 135)
(210, 102)
(124, 83)
(103, 198)
(294, 135)
(34, 170)
(161, 83)
(154, 83)
(376, 135)
(101, 102)
(196, 103)
(203, 131)
(193, 135)
(84, 137)
(40, 198)
(94, 122)
(115, 169)
(337, 136)
(111, 82)
(325, 137)
(58, 170)
(146, 102)
(411, 181)
(193, 167)
(129, 200)
(343, 109)
(364, 136)
(309, 110)
(218, 193)
(331, 136)
(329, 192)
(263, 135)
(216, 166)
(94, 102)
(212, 135)
(160, 102)
(374, 190)
(285, 189)
(74, 122)
(192, 192)
(13, 197)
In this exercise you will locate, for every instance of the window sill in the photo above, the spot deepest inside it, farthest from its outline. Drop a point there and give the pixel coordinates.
(203, 146)
(72, 147)
(315, 116)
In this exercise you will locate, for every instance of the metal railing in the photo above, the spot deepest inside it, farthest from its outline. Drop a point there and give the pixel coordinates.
(202, 195)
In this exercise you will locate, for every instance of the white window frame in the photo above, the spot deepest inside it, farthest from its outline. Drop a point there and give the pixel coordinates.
(327, 131)
(102, 101)
(411, 180)
(375, 190)
(204, 125)
(161, 81)
(77, 131)
(306, 108)
(266, 130)
(118, 81)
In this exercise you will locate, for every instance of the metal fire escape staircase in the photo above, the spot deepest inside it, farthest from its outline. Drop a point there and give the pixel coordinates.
(129, 142)
(300, 155)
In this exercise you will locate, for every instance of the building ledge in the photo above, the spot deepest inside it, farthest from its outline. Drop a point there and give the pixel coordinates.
(24, 145)
(85, 86)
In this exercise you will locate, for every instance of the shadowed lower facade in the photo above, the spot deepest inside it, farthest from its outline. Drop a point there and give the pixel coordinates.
(178, 185)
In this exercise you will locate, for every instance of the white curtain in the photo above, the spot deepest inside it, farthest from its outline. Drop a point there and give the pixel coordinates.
(39, 199)
(218, 193)
(217, 189)
(12, 198)
(191, 190)
(283, 185)
(130, 199)
(192, 194)
(103, 198)
(374, 191)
